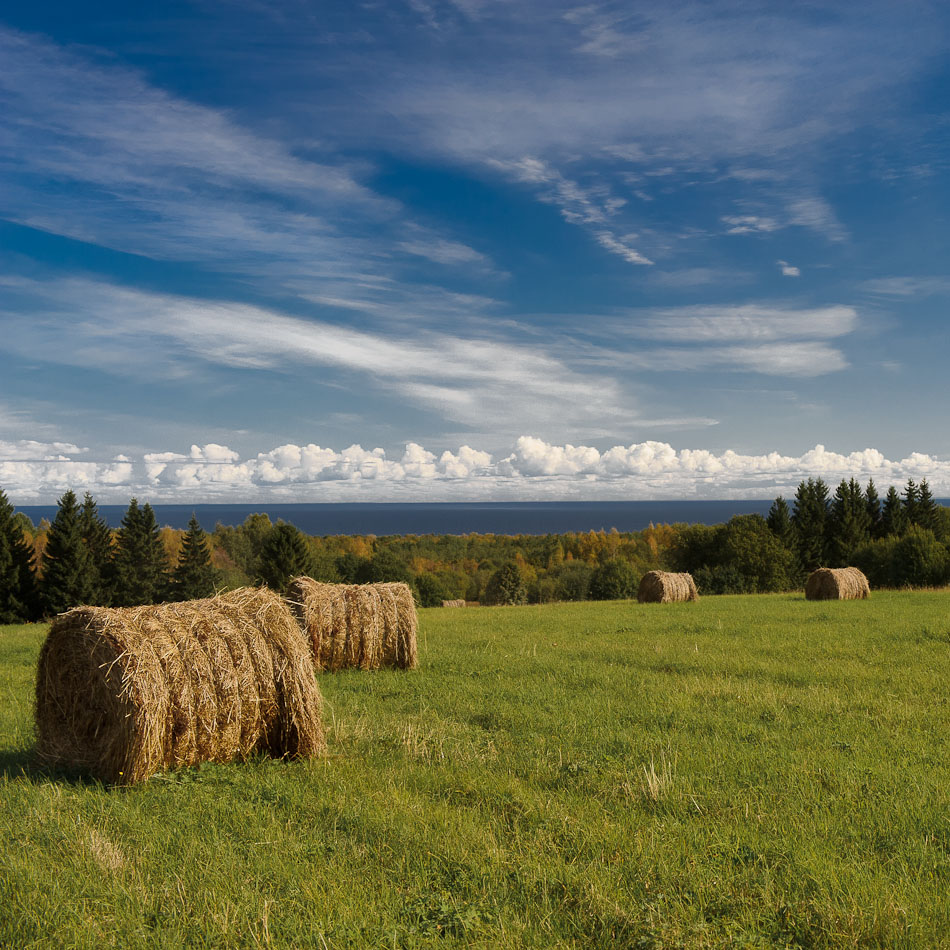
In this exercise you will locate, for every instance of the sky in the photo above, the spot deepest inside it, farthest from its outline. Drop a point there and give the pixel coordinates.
(472, 250)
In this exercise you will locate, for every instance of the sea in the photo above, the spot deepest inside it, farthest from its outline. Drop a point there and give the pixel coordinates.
(398, 518)
(484, 517)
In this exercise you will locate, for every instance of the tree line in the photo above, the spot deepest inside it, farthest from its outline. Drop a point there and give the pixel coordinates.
(900, 540)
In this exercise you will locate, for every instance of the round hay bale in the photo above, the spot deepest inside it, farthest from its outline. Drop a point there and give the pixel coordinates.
(837, 583)
(123, 693)
(453, 603)
(364, 626)
(662, 587)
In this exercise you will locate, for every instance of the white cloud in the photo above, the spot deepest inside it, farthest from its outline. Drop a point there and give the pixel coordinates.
(749, 224)
(471, 380)
(753, 323)
(533, 468)
(590, 206)
(789, 270)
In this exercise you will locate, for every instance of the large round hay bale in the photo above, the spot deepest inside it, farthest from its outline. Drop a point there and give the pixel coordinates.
(837, 583)
(364, 626)
(126, 692)
(662, 587)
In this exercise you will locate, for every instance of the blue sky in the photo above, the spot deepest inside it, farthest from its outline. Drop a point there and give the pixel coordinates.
(471, 249)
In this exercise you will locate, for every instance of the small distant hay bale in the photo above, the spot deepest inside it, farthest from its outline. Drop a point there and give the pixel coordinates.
(837, 583)
(123, 693)
(662, 587)
(453, 603)
(356, 626)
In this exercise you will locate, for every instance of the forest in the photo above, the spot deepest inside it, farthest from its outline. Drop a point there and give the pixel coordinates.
(900, 540)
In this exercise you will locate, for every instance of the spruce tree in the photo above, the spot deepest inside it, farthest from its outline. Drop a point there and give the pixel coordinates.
(779, 521)
(927, 516)
(285, 554)
(810, 517)
(873, 505)
(67, 575)
(848, 523)
(98, 540)
(893, 516)
(194, 576)
(18, 592)
(912, 502)
(140, 562)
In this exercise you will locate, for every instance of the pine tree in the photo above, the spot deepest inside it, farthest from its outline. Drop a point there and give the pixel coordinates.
(893, 516)
(779, 521)
(98, 540)
(848, 522)
(67, 576)
(140, 562)
(809, 518)
(873, 505)
(911, 502)
(18, 592)
(194, 575)
(285, 554)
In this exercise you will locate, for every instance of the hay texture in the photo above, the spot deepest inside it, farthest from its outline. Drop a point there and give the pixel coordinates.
(453, 603)
(127, 692)
(837, 583)
(364, 626)
(661, 587)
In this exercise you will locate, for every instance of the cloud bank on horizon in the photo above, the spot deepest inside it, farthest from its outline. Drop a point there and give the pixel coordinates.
(618, 227)
(533, 469)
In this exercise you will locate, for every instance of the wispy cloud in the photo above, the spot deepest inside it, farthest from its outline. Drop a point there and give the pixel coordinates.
(789, 270)
(472, 380)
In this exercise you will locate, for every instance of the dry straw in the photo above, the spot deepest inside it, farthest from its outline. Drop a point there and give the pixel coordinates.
(837, 583)
(365, 626)
(453, 603)
(661, 587)
(124, 693)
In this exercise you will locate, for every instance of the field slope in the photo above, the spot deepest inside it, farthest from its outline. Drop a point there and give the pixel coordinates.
(741, 772)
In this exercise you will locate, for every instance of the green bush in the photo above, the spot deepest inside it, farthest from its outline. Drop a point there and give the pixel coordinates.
(613, 580)
(573, 580)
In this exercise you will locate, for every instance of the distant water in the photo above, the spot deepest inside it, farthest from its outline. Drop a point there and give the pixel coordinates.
(541, 517)
(514, 517)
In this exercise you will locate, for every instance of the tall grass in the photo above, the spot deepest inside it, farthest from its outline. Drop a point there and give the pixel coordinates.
(740, 772)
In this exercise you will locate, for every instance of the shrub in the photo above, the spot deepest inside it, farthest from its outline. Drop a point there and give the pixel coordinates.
(573, 580)
(614, 580)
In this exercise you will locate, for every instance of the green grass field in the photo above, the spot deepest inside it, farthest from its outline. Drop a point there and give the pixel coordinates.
(754, 771)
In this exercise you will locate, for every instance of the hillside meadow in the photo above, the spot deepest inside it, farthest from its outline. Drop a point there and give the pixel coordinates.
(745, 771)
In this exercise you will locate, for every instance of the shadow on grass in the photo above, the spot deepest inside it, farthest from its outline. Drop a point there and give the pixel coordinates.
(25, 764)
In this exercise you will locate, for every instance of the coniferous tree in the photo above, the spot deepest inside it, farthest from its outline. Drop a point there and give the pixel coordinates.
(18, 591)
(873, 505)
(927, 516)
(848, 522)
(194, 575)
(810, 517)
(893, 515)
(284, 555)
(506, 586)
(779, 521)
(140, 562)
(67, 575)
(911, 502)
(98, 540)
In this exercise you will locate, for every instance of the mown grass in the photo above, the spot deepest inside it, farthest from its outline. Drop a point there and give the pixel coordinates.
(742, 772)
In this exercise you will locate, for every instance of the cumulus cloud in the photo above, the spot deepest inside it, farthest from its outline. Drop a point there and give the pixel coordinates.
(533, 468)
(789, 270)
